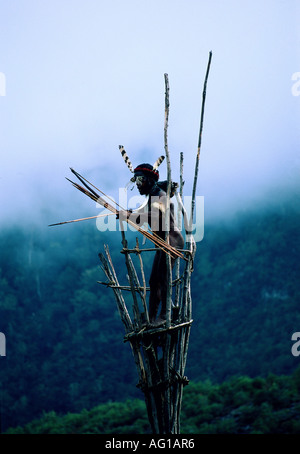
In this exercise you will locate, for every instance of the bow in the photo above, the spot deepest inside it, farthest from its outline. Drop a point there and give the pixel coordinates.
(91, 193)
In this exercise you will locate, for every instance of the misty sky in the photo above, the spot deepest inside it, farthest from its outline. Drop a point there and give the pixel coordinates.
(82, 77)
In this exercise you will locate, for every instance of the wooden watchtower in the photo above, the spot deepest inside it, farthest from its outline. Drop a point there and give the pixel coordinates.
(160, 353)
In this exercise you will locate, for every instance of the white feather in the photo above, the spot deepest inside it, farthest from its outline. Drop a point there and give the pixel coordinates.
(158, 162)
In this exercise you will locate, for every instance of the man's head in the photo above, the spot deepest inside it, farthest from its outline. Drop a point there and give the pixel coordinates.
(145, 177)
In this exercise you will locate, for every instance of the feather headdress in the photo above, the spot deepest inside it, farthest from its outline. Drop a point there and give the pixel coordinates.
(129, 164)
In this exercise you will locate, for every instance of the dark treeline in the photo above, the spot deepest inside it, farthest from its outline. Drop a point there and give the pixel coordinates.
(64, 339)
(240, 405)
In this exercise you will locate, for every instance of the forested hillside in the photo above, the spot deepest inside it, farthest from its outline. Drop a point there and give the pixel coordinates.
(64, 339)
(241, 405)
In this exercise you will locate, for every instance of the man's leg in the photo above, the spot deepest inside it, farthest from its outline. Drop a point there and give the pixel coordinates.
(155, 291)
(164, 286)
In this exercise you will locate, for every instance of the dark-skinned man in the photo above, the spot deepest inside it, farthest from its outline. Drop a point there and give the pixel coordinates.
(146, 179)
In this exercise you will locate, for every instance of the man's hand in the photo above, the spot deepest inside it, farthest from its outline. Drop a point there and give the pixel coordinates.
(123, 214)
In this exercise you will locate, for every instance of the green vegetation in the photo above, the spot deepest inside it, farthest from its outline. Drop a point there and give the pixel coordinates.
(240, 405)
(115, 417)
(246, 296)
(64, 339)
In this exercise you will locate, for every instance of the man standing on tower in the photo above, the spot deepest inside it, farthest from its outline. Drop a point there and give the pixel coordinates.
(146, 178)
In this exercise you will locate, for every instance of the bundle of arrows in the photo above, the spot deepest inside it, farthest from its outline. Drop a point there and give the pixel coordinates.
(89, 190)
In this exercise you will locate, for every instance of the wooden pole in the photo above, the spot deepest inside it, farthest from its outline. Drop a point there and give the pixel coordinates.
(167, 216)
(167, 350)
(200, 138)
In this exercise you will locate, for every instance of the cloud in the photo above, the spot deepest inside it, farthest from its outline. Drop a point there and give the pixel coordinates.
(83, 78)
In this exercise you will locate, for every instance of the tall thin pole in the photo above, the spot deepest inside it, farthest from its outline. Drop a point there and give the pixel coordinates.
(199, 139)
(167, 348)
(167, 215)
